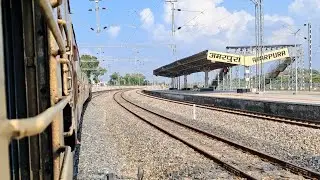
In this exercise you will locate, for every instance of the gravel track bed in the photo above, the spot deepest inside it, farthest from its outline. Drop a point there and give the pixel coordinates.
(115, 141)
(299, 145)
(247, 162)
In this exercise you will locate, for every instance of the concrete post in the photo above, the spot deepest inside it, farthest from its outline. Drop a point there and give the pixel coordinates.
(172, 82)
(230, 78)
(289, 81)
(223, 81)
(247, 76)
(218, 81)
(281, 81)
(176, 82)
(206, 79)
(185, 85)
(238, 75)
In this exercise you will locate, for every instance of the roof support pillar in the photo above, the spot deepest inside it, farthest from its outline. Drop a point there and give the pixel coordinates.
(176, 83)
(185, 85)
(172, 82)
(247, 76)
(206, 79)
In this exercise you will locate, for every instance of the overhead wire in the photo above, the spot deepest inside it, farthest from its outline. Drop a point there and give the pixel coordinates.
(197, 26)
(210, 24)
(136, 24)
(226, 17)
(185, 10)
(196, 17)
(147, 17)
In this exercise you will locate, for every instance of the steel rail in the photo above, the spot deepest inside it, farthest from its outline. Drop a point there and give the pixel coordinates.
(231, 168)
(306, 123)
(20, 128)
(308, 173)
(99, 93)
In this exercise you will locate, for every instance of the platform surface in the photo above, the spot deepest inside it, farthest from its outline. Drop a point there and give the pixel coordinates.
(302, 97)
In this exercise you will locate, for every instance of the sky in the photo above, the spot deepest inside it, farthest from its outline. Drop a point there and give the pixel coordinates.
(205, 24)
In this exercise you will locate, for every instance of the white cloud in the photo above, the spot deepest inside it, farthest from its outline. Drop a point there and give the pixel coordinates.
(83, 51)
(305, 7)
(278, 29)
(147, 18)
(160, 32)
(213, 25)
(280, 36)
(212, 21)
(273, 19)
(114, 31)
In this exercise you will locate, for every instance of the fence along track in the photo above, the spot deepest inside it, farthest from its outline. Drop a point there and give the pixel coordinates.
(285, 165)
(303, 123)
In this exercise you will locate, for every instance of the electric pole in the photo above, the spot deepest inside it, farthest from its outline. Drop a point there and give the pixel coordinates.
(261, 42)
(173, 33)
(172, 15)
(259, 25)
(310, 55)
(296, 61)
(97, 10)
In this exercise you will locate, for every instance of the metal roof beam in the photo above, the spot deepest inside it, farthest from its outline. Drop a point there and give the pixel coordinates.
(264, 46)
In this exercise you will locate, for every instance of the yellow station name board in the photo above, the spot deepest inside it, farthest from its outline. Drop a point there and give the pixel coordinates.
(247, 60)
(225, 57)
(268, 56)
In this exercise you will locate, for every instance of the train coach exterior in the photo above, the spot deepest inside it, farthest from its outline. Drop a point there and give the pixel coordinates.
(42, 89)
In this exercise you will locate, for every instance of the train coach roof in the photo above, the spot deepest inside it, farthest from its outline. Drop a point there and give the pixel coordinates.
(192, 64)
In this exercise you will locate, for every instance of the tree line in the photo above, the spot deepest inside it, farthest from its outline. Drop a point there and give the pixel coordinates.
(128, 79)
(285, 75)
(90, 66)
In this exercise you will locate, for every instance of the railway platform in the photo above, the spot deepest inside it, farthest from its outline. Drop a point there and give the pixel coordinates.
(302, 106)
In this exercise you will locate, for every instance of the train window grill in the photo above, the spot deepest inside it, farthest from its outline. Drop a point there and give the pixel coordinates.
(57, 107)
(20, 127)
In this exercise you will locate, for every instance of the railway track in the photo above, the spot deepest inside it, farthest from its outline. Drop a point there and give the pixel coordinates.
(99, 93)
(243, 161)
(304, 123)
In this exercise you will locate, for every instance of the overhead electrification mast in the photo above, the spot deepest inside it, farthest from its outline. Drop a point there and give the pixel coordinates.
(173, 33)
(97, 10)
(259, 25)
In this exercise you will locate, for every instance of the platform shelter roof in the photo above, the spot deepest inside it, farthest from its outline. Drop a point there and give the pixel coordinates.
(211, 60)
(196, 63)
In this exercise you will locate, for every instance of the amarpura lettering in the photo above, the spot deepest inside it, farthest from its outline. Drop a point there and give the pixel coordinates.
(227, 58)
(270, 56)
